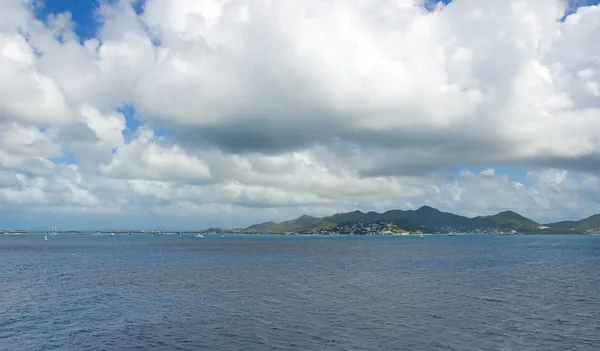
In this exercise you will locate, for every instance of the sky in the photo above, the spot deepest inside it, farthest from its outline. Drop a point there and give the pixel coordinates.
(185, 114)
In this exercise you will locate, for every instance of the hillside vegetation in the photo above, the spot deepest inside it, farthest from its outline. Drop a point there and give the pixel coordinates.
(426, 219)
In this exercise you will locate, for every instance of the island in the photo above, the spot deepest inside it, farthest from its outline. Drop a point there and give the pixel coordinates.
(425, 220)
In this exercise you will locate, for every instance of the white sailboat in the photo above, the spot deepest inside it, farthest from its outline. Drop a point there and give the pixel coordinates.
(54, 231)
(45, 237)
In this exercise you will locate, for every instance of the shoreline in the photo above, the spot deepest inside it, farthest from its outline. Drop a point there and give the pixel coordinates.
(225, 234)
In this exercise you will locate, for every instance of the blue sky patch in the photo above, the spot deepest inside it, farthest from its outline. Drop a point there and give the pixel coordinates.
(133, 121)
(83, 14)
(515, 173)
(431, 4)
(67, 157)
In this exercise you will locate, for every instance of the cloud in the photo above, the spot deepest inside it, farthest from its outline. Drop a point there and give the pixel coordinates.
(65, 187)
(385, 75)
(146, 157)
(546, 195)
(28, 95)
(279, 108)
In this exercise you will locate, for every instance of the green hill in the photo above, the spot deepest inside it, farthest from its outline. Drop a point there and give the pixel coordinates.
(568, 225)
(507, 220)
(425, 217)
(428, 219)
(301, 223)
(262, 226)
(340, 218)
(591, 223)
(304, 223)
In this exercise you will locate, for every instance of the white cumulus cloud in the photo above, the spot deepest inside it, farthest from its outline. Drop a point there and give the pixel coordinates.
(268, 109)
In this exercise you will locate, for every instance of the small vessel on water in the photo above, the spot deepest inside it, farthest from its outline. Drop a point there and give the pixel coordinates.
(45, 236)
(454, 234)
(112, 234)
(199, 235)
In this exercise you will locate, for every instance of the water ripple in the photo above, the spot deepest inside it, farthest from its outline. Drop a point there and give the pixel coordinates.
(297, 293)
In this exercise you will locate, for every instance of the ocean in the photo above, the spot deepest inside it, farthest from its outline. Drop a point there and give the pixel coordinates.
(141, 292)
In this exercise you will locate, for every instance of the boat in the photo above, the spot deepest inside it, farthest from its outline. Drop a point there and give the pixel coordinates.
(420, 235)
(45, 237)
(454, 234)
(112, 234)
(54, 231)
(199, 235)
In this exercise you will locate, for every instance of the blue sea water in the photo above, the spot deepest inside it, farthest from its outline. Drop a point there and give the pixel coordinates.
(138, 292)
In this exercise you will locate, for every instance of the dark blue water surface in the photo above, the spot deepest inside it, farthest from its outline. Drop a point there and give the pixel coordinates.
(76, 292)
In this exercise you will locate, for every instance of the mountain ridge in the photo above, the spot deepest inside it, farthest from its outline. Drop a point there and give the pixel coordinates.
(424, 219)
